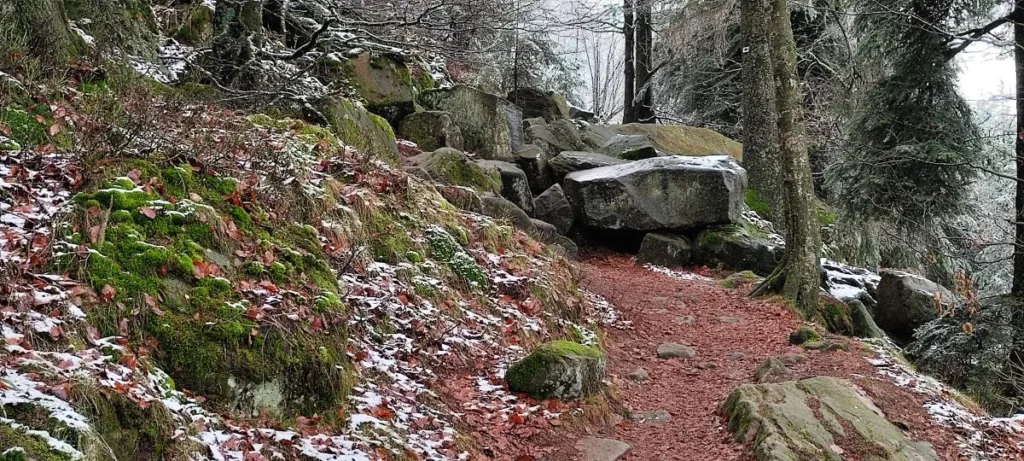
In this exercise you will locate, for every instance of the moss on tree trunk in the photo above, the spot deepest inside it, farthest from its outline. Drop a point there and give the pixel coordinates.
(38, 28)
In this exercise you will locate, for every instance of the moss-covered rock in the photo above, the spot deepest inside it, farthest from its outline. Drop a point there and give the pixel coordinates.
(534, 102)
(490, 124)
(383, 81)
(449, 166)
(835, 315)
(357, 127)
(668, 139)
(127, 25)
(431, 130)
(559, 370)
(803, 335)
(738, 248)
(819, 418)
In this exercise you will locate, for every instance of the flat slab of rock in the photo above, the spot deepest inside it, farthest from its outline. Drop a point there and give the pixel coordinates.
(596, 449)
(663, 193)
(573, 161)
(812, 419)
(675, 351)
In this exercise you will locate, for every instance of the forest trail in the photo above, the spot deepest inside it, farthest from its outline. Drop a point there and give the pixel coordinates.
(731, 335)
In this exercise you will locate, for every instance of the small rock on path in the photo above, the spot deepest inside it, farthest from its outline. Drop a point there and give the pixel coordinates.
(675, 351)
(596, 449)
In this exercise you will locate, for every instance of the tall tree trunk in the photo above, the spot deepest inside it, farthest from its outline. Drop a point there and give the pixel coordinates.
(1018, 249)
(629, 69)
(45, 28)
(644, 101)
(237, 38)
(799, 274)
(760, 120)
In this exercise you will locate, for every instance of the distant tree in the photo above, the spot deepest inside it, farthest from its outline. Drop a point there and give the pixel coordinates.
(639, 70)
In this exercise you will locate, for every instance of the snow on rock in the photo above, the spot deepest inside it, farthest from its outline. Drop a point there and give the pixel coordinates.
(848, 282)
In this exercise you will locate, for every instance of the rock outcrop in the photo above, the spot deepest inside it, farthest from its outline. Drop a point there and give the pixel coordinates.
(534, 102)
(664, 193)
(737, 248)
(560, 370)
(667, 139)
(357, 127)
(554, 208)
(431, 130)
(819, 418)
(490, 125)
(907, 301)
(514, 185)
(449, 166)
(573, 161)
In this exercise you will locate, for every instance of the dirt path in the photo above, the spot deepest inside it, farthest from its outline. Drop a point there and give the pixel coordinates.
(732, 334)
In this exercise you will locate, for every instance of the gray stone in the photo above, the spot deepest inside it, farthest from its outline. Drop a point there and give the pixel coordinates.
(629, 147)
(664, 193)
(534, 162)
(514, 185)
(685, 320)
(431, 130)
(418, 172)
(665, 250)
(736, 248)
(560, 370)
(771, 368)
(498, 207)
(675, 351)
(552, 207)
(555, 137)
(907, 301)
(534, 102)
(652, 417)
(357, 127)
(572, 161)
(803, 335)
(639, 375)
(383, 83)
(729, 320)
(596, 449)
(863, 325)
(793, 359)
(490, 125)
(707, 365)
(735, 356)
(797, 420)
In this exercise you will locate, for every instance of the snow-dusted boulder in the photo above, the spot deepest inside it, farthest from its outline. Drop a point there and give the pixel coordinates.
(514, 185)
(663, 193)
(573, 161)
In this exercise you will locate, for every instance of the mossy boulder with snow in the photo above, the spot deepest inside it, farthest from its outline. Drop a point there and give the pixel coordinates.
(736, 248)
(820, 418)
(386, 82)
(490, 125)
(668, 139)
(558, 370)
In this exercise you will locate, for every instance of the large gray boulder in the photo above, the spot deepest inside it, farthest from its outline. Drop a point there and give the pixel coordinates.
(907, 301)
(534, 102)
(558, 370)
(555, 137)
(572, 161)
(736, 248)
(816, 418)
(490, 125)
(663, 193)
(554, 208)
(499, 207)
(665, 250)
(534, 162)
(514, 185)
(431, 130)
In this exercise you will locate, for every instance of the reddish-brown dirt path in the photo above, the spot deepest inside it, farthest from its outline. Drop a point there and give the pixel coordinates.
(722, 322)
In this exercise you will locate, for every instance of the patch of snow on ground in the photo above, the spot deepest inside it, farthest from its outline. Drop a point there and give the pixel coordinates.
(679, 275)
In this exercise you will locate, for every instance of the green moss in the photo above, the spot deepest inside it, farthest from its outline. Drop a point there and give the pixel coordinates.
(835, 315)
(533, 373)
(453, 167)
(804, 335)
(126, 428)
(466, 267)
(754, 201)
(826, 215)
(24, 128)
(32, 448)
(197, 29)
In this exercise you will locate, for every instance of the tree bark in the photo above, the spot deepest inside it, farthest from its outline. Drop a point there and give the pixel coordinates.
(237, 39)
(644, 100)
(629, 69)
(1018, 249)
(799, 275)
(760, 120)
(45, 27)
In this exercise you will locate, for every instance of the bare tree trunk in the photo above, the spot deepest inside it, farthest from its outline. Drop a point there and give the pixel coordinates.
(760, 120)
(1018, 249)
(237, 38)
(629, 69)
(44, 24)
(799, 274)
(644, 101)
